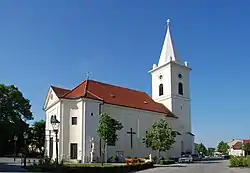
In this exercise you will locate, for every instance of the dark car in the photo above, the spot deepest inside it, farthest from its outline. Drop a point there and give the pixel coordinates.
(196, 157)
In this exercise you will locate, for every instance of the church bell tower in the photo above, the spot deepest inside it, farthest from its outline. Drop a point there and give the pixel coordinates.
(170, 83)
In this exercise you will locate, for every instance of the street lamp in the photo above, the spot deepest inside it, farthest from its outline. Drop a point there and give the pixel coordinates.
(55, 124)
(15, 139)
(25, 137)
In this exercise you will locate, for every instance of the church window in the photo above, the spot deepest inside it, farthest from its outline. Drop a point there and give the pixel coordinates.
(74, 120)
(180, 88)
(160, 89)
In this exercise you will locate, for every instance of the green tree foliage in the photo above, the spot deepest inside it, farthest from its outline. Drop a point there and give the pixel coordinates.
(247, 148)
(201, 149)
(36, 135)
(161, 137)
(14, 112)
(108, 128)
(222, 147)
(210, 151)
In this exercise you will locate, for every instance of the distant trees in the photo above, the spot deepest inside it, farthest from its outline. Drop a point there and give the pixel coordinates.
(210, 151)
(36, 136)
(201, 149)
(161, 137)
(223, 147)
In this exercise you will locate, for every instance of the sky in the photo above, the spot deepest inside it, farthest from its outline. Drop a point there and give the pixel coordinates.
(57, 42)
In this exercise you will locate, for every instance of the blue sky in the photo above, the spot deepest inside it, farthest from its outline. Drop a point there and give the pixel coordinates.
(45, 43)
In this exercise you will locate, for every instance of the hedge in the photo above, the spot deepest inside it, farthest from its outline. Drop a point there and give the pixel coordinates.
(239, 161)
(91, 168)
(166, 162)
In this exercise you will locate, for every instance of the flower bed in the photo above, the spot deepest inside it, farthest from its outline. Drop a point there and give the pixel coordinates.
(92, 168)
(131, 161)
(239, 161)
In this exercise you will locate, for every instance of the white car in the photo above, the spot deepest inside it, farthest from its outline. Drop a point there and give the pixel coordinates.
(187, 158)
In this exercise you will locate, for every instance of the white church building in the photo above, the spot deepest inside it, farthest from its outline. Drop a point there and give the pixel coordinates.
(78, 111)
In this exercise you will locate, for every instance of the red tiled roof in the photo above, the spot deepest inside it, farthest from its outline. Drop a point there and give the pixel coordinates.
(60, 91)
(237, 146)
(246, 141)
(116, 95)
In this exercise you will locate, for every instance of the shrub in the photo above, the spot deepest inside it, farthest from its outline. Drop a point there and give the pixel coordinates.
(239, 161)
(155, 158)
(166, 162)
(116, 159)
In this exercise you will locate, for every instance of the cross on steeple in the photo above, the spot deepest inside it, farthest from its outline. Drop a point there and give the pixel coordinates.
(131, 137)
(87, 75)
(168, 22)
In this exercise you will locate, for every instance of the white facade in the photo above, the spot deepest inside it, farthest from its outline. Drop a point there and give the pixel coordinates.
(233, 152)
(87, 111)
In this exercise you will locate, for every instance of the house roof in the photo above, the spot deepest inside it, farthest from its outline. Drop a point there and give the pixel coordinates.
(237, 146)
(60, 91)
(114, 95)
(246, 141)
(233, 142)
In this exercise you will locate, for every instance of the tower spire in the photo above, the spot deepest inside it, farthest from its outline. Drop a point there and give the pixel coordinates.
(168, 52)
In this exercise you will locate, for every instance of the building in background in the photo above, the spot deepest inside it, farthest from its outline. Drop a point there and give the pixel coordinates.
(236, 147)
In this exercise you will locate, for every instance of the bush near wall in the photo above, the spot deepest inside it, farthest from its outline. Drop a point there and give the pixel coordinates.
(166, 162)
(91, 168)
(239, 161)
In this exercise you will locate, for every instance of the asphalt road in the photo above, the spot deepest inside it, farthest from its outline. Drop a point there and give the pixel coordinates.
(202, 167)
(7, 164)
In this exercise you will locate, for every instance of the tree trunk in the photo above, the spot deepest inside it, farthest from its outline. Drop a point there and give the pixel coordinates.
(103, 152)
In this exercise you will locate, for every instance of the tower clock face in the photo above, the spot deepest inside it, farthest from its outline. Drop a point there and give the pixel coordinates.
(180, 75)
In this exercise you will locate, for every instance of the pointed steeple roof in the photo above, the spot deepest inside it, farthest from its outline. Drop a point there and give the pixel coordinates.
(168, 52)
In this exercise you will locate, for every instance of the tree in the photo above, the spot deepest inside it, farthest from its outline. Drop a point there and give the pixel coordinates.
(36, 135)
(247, 148)
(223, 147)
(14, 112)
(161, 137)
(210, 151)
(107, 129)
(201, 149)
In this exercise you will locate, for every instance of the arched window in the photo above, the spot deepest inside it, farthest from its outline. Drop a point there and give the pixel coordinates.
(180, 88)
(160, 89)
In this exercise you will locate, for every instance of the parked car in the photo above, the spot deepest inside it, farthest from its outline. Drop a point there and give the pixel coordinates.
(186, 158)
(196, 157)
